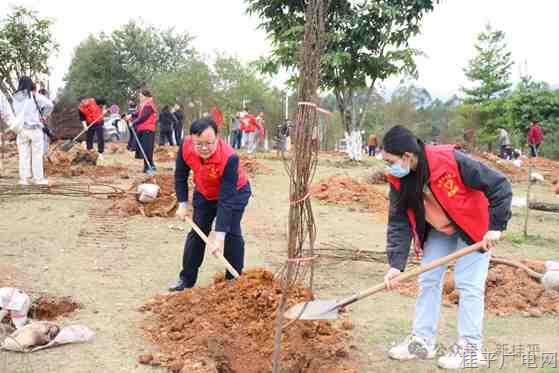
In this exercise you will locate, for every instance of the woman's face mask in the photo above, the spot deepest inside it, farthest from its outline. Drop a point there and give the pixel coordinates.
(397, 166)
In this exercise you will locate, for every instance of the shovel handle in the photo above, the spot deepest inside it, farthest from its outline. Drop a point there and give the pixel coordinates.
(413, 273)
(79, 134)
(205, 238)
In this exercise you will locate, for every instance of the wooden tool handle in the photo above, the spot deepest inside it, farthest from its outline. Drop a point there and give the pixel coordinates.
(413, 273)
(205, 238)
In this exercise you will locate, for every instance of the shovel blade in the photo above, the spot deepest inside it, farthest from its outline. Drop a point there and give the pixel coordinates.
(315, 310)
(67, 145)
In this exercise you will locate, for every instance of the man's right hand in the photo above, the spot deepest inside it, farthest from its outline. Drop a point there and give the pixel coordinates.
(84, 124)
(389, 278)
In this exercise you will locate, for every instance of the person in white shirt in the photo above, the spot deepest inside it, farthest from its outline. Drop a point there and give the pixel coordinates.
(30, 140)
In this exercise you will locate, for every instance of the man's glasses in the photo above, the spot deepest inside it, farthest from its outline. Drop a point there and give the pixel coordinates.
(202, 145)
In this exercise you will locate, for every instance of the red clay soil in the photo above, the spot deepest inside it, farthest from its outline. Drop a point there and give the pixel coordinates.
(346, 191)
(377, 178)
(9, 150)
(508, 291)
(548, 168)
(165, 154)
(229, 327)
(164, 206)
(253, 167)
(79, 162)
(50, 308)
(115, 148)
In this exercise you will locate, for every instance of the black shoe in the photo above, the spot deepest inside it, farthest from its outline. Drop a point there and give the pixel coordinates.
(180, 285)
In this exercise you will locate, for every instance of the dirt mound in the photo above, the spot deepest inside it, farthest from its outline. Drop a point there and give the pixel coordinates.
(229, 327)
(378, 177)
(548, 168)
(116, 148)
(346, 191)
(253, 167)
(50, 308)
(164, 206)
(9, 150)
(165, 154)
(508, 291)
(79, 162)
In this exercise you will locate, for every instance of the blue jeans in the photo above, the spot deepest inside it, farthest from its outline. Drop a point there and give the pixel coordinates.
(470, 273)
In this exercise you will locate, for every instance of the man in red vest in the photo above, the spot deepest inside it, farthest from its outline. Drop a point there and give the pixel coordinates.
(91, 113)
(249, 126)
(222, 192)
(444, 201)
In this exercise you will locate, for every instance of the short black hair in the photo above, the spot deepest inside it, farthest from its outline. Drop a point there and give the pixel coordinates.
(201, 125)
(146, 92)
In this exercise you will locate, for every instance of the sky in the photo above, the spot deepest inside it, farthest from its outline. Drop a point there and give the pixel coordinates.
(447, 38)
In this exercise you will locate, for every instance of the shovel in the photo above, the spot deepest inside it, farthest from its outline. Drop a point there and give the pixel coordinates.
(151, 169)
(68, 144)
(205, 238)
(328, 309)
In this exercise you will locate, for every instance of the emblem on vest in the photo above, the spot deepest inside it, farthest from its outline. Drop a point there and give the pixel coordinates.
(448, 182)
(213, 173)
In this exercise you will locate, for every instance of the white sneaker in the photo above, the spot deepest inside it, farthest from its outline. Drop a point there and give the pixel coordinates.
(463, 355)
(100, 157)
(412, 348)
(23, 182)
(43, 181)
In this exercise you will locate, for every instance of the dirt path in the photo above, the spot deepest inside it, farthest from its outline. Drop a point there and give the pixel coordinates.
(112, 265)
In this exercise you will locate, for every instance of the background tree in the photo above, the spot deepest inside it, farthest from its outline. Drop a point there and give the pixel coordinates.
(367, 41)
(26, 44)
(116, 65)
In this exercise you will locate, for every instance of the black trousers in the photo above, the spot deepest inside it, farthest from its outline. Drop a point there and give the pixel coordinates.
(178, 133)
(147, 140)
(132, 146)
(194, 247)
(98, 131)
(166, 136)
(372, 150)
(236, 136)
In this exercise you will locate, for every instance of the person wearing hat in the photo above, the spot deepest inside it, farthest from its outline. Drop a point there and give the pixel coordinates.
(221, 193)
(445, 201)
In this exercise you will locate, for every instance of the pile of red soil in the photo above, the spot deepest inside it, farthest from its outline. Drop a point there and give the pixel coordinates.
(253, 167)
(115, 148)
(229, 327)
(164, 205)
(9, 150)
(165, 154)
(548, 168)
(508, 291)
(346, 191)
(79, 162)
(50, 308)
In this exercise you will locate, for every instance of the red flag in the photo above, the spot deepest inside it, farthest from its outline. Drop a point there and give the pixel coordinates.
(217, 115)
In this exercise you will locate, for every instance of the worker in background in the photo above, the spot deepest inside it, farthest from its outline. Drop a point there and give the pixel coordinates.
(91, 112)
(504, 144)
(30, 140)
(372, 143)
(178, 126)
(166, 124)
(145, 125)
(249, 126)
(535, 137)
(446, 201)
(131, 115)
(236, 133)
(221, 192)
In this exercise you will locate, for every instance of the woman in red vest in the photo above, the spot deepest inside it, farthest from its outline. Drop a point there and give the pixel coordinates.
(445, 201)
(222, 192)
(145, 125)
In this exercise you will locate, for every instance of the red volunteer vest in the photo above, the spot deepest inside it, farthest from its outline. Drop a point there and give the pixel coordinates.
(150, 123)
(208, 173)
(91, 111)
(249, 123)
(467, 207)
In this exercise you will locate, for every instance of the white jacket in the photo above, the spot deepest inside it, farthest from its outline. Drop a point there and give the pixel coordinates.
(32, 116)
